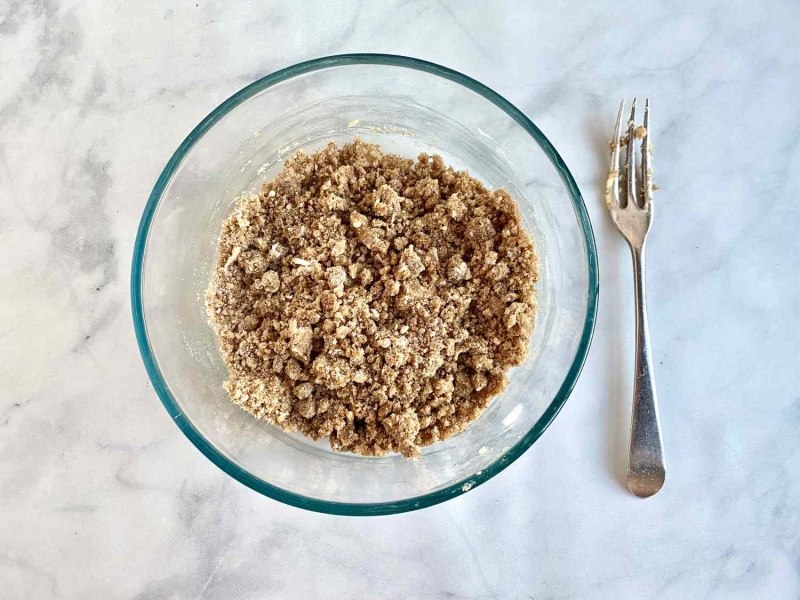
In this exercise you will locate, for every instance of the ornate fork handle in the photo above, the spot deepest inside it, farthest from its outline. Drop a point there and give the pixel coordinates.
(646, 469)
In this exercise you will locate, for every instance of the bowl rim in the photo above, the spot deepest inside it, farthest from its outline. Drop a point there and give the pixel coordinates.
(344, 508)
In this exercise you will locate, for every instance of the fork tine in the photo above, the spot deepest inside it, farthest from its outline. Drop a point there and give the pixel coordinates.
(612, 184)
(630, 169)
(647, 167)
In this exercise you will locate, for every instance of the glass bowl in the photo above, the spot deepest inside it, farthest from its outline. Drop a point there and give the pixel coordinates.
(407, 106)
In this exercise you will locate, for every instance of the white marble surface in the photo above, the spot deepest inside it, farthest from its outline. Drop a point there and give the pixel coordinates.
(101, 496)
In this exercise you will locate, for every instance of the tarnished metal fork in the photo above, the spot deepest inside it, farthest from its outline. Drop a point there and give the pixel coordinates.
(632, 213)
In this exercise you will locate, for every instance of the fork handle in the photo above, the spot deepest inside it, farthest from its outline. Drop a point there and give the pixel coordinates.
(646, 469)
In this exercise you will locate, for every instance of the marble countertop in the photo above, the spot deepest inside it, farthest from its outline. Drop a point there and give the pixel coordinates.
(101, 496)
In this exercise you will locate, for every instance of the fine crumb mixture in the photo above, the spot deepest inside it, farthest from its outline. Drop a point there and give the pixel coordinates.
(372, 300)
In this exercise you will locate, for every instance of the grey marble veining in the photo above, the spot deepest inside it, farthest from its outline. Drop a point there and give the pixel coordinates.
(101, 495)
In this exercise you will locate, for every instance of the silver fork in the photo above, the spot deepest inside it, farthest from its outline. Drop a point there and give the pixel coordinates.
(632, 213)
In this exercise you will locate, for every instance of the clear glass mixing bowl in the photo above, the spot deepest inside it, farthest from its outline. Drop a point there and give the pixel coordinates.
(407, 106)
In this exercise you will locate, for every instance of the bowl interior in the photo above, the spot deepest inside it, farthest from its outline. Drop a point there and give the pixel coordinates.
(407, 108)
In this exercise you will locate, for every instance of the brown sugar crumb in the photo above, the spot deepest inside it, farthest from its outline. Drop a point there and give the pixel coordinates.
(371, 299)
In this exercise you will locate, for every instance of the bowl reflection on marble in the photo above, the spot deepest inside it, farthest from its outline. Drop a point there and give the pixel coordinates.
(408, 107)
